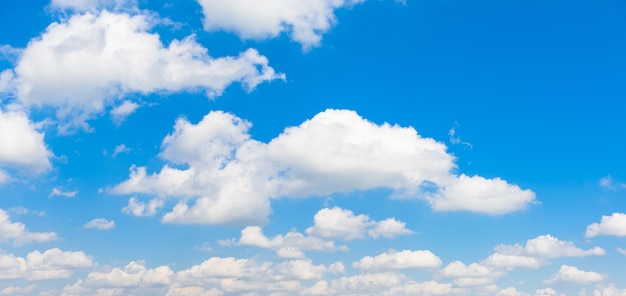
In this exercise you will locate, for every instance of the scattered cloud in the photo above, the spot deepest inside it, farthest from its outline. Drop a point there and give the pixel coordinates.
(343, 224)
(609, 225)
(140, 209)
(456, 139)
(119, 113)
(15, 233)
(291, 245)
(59, 192)
(24, 211)
(93, 5)
(121, 148)
(574, 275)
(306, 22)
(335, 151)
(547, 246)
(28, 154)
(108, 55)
(49, 265)
(621, 251)
(398, 260)
(100, 223)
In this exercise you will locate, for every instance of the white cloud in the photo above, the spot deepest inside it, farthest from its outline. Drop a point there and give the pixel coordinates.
(621, 251)
(141, 209)
(15, 233)
(93, 5)
(232, 177)
(547, 246)
(59, 192)
(49, 265)
(425, 288)
(121, 148)
(119, 113)
(607, 182)
(366, 283)
(14, 290)
(100, 223)
(458, 269)
(510, 291)
(106, 56)
(290, 245)
(305, 21)
(23, 147)
(342, 223)
(478, 194)
(574, 275)
(609, 225)
(508, 261)
(609, 290)
(393, 260)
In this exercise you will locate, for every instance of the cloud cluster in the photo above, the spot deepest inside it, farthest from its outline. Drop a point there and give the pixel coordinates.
(49, 265)
(306, 21)
(23, 147)
(105, 56)
(609, 225)
(233, 176)
(15, 233)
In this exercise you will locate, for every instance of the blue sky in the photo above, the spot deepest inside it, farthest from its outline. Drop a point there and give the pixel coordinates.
(321, 147)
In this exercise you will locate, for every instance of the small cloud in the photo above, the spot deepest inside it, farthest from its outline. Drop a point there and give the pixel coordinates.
(59, 192)
(621, 251)
(456, 139)
(100, 223)
(607, 182)
(120, 149)
(206, 247)
(24, 211)
(141, 209)
(119, 113)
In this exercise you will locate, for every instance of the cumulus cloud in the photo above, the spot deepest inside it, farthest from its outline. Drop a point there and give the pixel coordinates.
(232, 177)
(49, 265)
(609, 225)
(15, 233)
(574, 275)
(105, 56)
(23, 147)
(290, 245)
(141, 209)
(509, 261)
(472, 275)
(394, 260)
(342, 223)
(119, 113)
(100, 223)
(306, 22)
(547, 246)
(425, 288)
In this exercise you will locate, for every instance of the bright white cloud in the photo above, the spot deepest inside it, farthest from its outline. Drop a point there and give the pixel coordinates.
(343, 224)
(508, 261)
(15, 233)
(103, 57)
(23, 148)
(305, 21)
(574, 275)
(458, 269)
(425, 288)
(609, 290)
(609, 225)
(141, 209)
(510, 291)
(545, 292)
(49, 265)
(394, 260)
(290, 245)
(100, 223)
(233, 176)
(547, 246)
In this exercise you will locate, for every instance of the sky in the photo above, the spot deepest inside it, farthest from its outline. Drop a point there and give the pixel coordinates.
(318, 147)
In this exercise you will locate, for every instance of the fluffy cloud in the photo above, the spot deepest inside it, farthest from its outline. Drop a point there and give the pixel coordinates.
(574, 275)
(609, 225)
(394, 260)
(305, 21)
(23, 147)
(140, 209)
(472, 275)
(49, 265)
(15, 233)
(547, 246)
(108, 55)
(58, 192)
(100, 223)
(342, 223)
(508, 261)
(290, 245)
(425, 288)
(233, 176)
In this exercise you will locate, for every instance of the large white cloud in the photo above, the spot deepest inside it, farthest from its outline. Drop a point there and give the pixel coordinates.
(574, 275)
(233, 176)
(23, 148)
(609, 225)
(547, 246)
(15, 233)
(105, 56)
(306, 21)
(49, 265)
(394, 260)
(291, 245)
